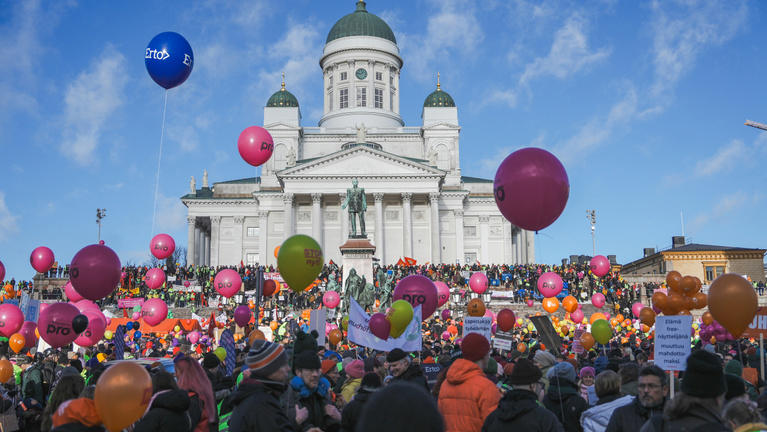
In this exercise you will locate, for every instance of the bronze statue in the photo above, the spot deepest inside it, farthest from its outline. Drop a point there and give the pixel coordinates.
(352, 288)
(357, 203)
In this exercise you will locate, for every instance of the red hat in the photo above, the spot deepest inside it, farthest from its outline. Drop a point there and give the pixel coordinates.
(327, 365)
(474, 347)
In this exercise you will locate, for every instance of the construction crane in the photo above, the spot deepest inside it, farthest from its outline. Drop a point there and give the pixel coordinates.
(754, 124)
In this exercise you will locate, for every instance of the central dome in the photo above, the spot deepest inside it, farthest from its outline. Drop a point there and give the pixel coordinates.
(361, 23)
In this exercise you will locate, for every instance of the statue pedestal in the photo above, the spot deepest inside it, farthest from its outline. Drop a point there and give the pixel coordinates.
(357, 253)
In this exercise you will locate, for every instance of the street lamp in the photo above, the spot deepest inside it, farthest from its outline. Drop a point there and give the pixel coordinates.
(100, 214)
(591, 215)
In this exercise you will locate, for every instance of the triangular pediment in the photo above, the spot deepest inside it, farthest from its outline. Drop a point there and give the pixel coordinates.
(280, 126)
(362, 161)
(441, 125)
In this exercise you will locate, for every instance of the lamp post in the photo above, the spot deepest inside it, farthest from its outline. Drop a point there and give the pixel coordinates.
(100, 214)
(591, 215)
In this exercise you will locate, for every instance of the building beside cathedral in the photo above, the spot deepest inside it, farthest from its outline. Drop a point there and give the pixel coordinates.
(419, 204)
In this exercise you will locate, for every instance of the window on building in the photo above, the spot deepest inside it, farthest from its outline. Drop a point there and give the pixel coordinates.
(379, 76)
(719, 270)
(470, 257)
(379, 98)
(362, 97)
(252, 259)
(709, 273)
(391, 79)
(330, 81)
(252, 231)
(391, 101)
(344, 98)
(343, 76)
(330, 99)
(469, 231)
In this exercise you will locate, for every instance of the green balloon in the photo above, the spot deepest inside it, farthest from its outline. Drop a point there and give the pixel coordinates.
(601, 331)
(345, 322)
(300, 261)
(220, 352)
(401, 315)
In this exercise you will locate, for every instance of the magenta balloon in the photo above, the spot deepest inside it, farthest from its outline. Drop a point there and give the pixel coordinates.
(446, 335)
(193, 337)
(577, 316)
(28, 331)
(599, 265)
(135, 315)
(255, 145)
(97, 324)
(598, 300)
(636, 308)
(162, 246)
(95, 271)
(331, 299)
(478, 282)
(154, 278)
(42, 259)
(227, 282)
(72, 294)
(443, 293)
(11, 319)
(445, 314)
(530, 302)
(531, 188)
(380, 326)
(2, 271)
(493, 328)
(490, 314)
(242, 315)
(55, 324)
(154, 311)
(84, 305)
(417, 290)
(186, 284)
(550, 284)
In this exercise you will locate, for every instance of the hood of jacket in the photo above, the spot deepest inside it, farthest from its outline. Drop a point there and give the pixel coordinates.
(561, 389)
(516, 403)
(412, 371)
(82, 411)
(250, 386)
(462, 370)
(171, 400)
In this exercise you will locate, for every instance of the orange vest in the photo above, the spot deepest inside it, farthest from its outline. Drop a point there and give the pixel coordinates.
(750, 375)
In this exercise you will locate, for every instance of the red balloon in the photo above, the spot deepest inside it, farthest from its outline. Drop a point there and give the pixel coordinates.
(531, 188)
(417, 290)
(227, 282)
(599, 265)
(269, 288)
(55, 324)
(506, 319)
(478, 282)
(95, 271)
(550, 284)
(380, 326)
(28, 331)
(530, 302)
(154, 278)
(255, 145)
(42, 259)
(331, 299)
(162, 246)
(11, 319)
(154, 311)
(443, 293)
(242, 315)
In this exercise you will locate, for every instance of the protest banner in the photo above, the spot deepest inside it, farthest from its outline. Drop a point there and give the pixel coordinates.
(503, 344)
(672, 341)
(317, 321)
(482, 325)
(360, 334)
(548, 335)
(431, 371)
(130, 303)
(758, 325)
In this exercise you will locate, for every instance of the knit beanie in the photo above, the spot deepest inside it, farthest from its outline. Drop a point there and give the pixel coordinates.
(587, 371)
(735, 386)
(307, 360)
(544, 359)
(563, 370)
(265, 358)
(355, 369)
(401, 406)
(305, 342)
(703, 376)
(395, 355)
(328, 365)
(474, 347)
(734, 367)
(370, 382)
(209, 361)
(492, 367)
(525, 372)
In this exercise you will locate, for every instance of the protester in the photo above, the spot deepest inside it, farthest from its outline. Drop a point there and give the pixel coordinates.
(402, 369)
(310, 392)
(544, 360)
(608, 388)
(168, 409)
(202, 408)
(350, 417)
(743, 416)
(78, 415)
(629, 373)
(562, 397)
(653, 390)
(69, 387)
(401, 407)
(586, 385)
(354, 371)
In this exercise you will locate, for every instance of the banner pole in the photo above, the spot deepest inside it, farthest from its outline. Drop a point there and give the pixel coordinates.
(761, 355)
(671, 380)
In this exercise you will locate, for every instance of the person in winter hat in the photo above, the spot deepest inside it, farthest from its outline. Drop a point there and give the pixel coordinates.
(401, 368)
(168, 408)
(608, 388)
(401, 407)
(519, 408)
(653, 390)
(544, 360)
(350, 417)
(310, 394)
(562, 397)
(698, 406)
(586, 385)
(354, 371)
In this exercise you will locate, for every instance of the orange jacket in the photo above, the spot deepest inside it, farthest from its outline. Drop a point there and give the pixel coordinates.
(466, 397)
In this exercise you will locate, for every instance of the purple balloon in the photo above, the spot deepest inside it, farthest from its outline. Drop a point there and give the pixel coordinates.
(443, 293)
(97, 325)
(417, 290)
(11, 319)
(72, 294)
(242, 315)
(531, 188)
(380, 326)
(445, 314)
(95, 271)
(55, 324)
(28, 331)
(2, 271)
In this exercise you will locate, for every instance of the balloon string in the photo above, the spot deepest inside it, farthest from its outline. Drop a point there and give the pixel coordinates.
(159, 161)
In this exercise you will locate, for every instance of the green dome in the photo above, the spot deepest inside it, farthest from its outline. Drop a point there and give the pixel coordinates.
(282, 98)
(361, 23)
(439, 98)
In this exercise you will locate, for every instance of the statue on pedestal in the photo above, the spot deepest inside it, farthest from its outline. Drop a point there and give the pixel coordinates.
(192, 186)
(357, 203)
(367, 296)
(354, 285)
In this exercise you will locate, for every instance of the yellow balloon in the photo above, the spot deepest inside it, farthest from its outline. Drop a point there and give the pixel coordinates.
(531, 327)
(108, 335)
(177, 329)
(400, 316)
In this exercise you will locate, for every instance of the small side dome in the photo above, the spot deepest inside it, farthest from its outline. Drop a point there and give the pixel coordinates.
(438, 98)
(282, 98)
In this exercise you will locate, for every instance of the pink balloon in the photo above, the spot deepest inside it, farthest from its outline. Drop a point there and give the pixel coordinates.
(123, 274)
(95, 271)
(187, 283)
(11, 319)
(446, 335)
(227, 282)
(154, 311)
(28, 331)
(97, 324)
(84, 305)
(530, 302)
(599, 265)
(478, 282)
(577, 316)
(193, 337)
(154, 278)
(490, 314)
(380, 326)
(493, 328)
(443, 293)
(531, 188)
(43, 307)
(162, 246)
(417, 290)
(550, 284)
(445, 314)
(636, 308)
(71, 293)
(255, 145)
(607, 315)
(598, 300)
(42, 259)
(2, 271)
(55, 324)
(331, 299)
(135, 315)
(242, 315)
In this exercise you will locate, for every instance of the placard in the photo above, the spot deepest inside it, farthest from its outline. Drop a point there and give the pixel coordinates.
(758, 325)
(482, 325)
(317, 321)
(431, 371)
(360, 334)
(503, 344)
(672, 341)
(546, 331)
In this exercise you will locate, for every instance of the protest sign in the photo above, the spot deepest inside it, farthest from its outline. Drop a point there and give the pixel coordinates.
(672, 341)
(758, 325)
(130, 303)
(503, 344)
(546, 331)
(431, 371)
(481, 325)
(317, 321)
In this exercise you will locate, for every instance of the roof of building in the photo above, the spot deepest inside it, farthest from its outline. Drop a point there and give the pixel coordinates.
(282, 98)
(696, 247)
(467, 179)
(361, 23)
(438, 99)
(247, 180)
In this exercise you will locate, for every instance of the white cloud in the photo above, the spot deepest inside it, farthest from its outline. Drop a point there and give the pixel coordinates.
(171, 213)
(490, 164)
(726, 205)
(725, 158)
(89, 101)
(185, 136)
(7, 219)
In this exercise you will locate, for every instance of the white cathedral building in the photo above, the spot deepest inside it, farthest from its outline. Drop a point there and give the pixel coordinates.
(419, 204)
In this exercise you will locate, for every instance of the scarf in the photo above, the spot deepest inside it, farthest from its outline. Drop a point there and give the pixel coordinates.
(298, 385)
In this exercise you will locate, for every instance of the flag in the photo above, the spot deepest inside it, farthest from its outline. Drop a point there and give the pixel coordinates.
(119, 338)
(212, 326)
(227, 342)
(410, 261)
(400, 262)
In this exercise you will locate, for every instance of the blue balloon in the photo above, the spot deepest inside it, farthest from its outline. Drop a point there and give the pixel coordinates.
(136, 325)
(129, 326)
(169, 59)
(137, 335)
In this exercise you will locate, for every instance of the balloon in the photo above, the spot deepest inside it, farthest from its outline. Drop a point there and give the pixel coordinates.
(445, 314)
(169, 59)
(331, 299)
(478, 282)
(122, 395)
(506, 320)
(135, 315)
(42, 259)
(2, 271)
(380, 326)
(270, 287)
(530, 302)
(598, 300)
(242, 315)
(400, 316)
(521, 347)
(659, 301)
(186, 284)
(16, 342)
(446, 335)
(154, 279)
(674, 305)
(688, 285)
(550, 284)
(443, 293)
(6, 371)
(276, 251)
(300, 260)
(599, 265)
(587, 340)
(707, 318)
(28, 331)
(570, 304)
(577, 316)
(227, 282)
(476, 308)
(11, 319)
(732, 302)
(176, 329)
(418, 290)
(673, 280)
(531, 188)
(84, 305)
(564, 329)
(597, 316)
(95, 271)
(95, 330)
(335, 336)
(154, 311)
(162, 246)
(647, 316)
(220, 352)
(601, 331)
(55, 324)
(71, 293)
(550, 304)
(193, 337)
(108, 335)
(255, 145)
(700, 300)
(490, 314)
(79, 323)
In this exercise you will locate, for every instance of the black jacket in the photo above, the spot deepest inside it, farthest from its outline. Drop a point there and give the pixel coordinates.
(631, 417)
(78, 427)
(566, 403)
(257, 408)
(414, 375)
(167, 413)
(353, 411)
(519, 410)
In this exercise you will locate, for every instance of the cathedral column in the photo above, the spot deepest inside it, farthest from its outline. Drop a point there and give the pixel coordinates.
(287, 201)
(529, 247)
(518, 237)
(435, 243)
(316, 215)
(408, 228)
(344, 218)
(191, 239)
(459, 252)
(206, 248)
(197, 244)
(263, 220)
(484, 239)
(379, 239)
(215, 225)
(514, 256)
(239, 236)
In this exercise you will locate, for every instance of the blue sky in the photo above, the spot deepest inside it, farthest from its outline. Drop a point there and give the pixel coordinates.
(644, 102)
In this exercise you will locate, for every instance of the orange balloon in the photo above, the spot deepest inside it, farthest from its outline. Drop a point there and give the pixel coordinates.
(645, 328)
(597, 316)
(521, 347)
(476, 308)
(122, 395)
(335, 336)
(453, 330)
(700, 300)
(698, 284)
(712, 340)
(673, 279)
(273, 325)
(620, 317)
(707, 318)
(550, 304)
(570, 304)
(688, 285)
(276, 251)
(647, 316)
(626, 322)
(659, 300)
(6, 371)
(614, 321)
(16, 342)
(587, 340)
(732, 302)
(564, 329)
(684, 312)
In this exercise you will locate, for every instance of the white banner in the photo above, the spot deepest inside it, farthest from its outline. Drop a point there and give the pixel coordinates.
(317, 321)
(221, 318)
(359, 332)
(503, 344)
(481, 325)
(672, 341)
(197, 317)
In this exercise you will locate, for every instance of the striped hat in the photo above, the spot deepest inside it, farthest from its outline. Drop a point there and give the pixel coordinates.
(265, 358)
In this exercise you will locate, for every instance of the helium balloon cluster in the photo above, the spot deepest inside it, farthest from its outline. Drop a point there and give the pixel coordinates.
(394, 322)
(682, 296)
